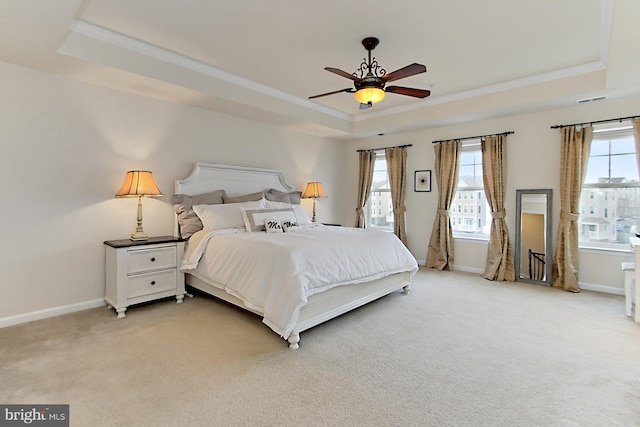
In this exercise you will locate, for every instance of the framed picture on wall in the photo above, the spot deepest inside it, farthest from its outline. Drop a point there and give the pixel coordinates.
(422, 180)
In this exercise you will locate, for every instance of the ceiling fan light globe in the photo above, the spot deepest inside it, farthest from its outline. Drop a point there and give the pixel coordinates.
(369, 95)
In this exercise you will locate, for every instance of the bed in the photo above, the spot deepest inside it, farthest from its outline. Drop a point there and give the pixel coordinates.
(301, 288)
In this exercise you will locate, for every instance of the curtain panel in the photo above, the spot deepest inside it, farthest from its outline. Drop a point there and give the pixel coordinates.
(440, 254)
(500, 261)
(397, 169)
(367, 165)
(636, 134)
(574, 155)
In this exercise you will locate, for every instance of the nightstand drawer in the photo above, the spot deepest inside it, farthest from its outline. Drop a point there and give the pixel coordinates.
(140, 260)
(150, 283)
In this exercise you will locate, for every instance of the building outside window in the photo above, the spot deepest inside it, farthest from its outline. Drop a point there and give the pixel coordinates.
(610, 198)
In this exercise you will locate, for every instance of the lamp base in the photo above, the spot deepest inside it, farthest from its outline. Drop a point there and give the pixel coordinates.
(138, 235)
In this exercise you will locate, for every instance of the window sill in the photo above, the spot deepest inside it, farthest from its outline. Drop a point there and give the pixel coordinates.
(390, 230)
(608, 251)
(471, 238)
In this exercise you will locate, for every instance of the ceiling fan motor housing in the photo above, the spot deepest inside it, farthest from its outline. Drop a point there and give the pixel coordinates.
(369, 81)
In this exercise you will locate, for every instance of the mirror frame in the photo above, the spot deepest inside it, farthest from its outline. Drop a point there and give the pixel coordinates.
(548, 247)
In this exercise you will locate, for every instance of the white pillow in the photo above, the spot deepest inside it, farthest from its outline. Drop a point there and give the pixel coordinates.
(254, 218)
(301, 216)
(273, 226)
(218, 217)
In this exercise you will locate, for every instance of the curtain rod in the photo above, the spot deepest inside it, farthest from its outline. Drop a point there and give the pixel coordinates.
(596, 121)
(473, 137)
(384, 148)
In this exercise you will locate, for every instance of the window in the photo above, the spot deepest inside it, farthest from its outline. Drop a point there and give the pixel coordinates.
(470, 187)
(611, 190)
(380, 209)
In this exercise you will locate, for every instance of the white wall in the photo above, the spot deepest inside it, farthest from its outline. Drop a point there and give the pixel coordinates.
(533, 155)
(65, 149)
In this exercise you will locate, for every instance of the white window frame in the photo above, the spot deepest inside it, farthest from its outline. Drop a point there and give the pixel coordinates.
(590, 190)
(472, 145)
(380, 159)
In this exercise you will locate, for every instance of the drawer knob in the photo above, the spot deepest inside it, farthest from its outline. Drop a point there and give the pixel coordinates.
(153, 259)
(153, 282)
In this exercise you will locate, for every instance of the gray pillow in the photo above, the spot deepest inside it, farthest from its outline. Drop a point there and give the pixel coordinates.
(188, 221)
(253, 197)
(281, 196)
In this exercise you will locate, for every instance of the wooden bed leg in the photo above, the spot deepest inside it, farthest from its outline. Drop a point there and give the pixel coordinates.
(294, 339)
(406, 289)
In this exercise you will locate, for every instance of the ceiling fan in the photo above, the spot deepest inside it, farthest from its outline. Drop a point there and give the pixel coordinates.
(370, 79)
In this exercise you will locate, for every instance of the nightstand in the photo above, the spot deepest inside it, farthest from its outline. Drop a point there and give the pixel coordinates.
(141, 271)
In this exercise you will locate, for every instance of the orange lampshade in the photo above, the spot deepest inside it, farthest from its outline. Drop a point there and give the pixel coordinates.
(314, 190)
(139, 183)
(369, 95)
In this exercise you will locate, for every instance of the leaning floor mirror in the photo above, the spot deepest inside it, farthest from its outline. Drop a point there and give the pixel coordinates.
(533, 236)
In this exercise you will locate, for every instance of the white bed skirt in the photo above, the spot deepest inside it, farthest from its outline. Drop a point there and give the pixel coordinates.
(322, 306)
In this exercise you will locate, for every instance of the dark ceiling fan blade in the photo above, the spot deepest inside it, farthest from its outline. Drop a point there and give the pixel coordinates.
(365, 106)
(331, 93)
(409, 70)
(343, 73)
(409, 91)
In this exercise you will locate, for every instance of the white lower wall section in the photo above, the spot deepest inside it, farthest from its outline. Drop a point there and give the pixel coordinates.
(601, 288)
(466, 269)
(50, 312)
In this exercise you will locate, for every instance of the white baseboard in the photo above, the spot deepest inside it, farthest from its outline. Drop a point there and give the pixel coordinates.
(72, 308)
(50, 312)
(601, 288)
(460, 268)
(585, 286)
(468, 269)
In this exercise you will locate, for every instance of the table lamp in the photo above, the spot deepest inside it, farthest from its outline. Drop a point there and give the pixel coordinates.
(313, 191)
(139, 184)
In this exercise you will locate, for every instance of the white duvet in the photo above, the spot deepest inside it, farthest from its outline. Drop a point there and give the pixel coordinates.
(275, 273)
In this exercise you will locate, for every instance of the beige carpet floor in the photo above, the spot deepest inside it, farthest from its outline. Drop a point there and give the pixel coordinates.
(458, 351)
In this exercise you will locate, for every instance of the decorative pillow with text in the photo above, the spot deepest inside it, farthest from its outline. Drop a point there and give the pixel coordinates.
(273, 226)
(254, 219)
